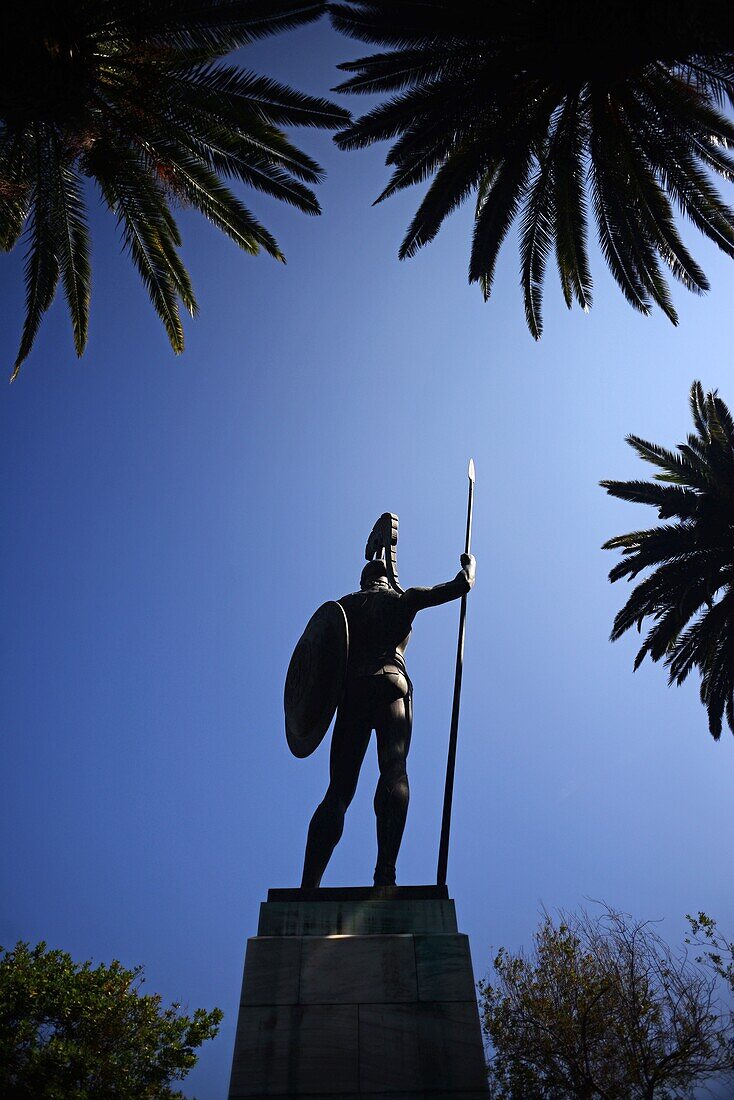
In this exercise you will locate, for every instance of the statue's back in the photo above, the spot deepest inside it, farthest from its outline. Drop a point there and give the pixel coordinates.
(379, 627)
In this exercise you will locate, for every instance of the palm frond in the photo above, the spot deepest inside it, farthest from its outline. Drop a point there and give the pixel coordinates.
(536, 241)
(676, 468)
(453, 182)
(655, 214)
(672, 585)
(653, 546)
(217, 26)
(275, 103)
(688, 596)
(203, 189)
(73, 249)
(402, 25)
(141, 102)
(570, 206)
(15, 188)
(144, 219)
(671, 500)
(500, 204)
(393, 72)
(642, 133)
(698, 408)
(41, 266)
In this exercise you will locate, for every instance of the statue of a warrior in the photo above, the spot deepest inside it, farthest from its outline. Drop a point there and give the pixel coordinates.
(351, 655)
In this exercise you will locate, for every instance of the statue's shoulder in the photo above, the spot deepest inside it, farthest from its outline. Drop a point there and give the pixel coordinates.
(355, 602)
(362, 597)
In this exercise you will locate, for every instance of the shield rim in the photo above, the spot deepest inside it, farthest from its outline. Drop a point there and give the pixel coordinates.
(296, 742)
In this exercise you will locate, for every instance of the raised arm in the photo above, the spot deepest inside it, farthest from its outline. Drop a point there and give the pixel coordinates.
(418, 598)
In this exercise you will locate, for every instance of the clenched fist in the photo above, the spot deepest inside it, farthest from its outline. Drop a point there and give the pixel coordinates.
(469, 565)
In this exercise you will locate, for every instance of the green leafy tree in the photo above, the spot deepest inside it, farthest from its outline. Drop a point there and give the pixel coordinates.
(602, 1008)
(71, 1030)
(131, 94)
(718, 950)
(543, 110)
(688, 596)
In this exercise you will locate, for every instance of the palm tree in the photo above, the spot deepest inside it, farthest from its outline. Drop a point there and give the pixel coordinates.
(552, 112)
(130, 94)
(689, 595)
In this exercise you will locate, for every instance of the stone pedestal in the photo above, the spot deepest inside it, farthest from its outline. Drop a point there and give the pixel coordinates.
(363, 993)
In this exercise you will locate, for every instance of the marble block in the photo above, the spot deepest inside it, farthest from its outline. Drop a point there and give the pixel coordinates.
(358, 993)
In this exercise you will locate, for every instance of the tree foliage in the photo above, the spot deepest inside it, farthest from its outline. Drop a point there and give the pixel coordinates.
(132, 95)
(602, 1008)
(73, 1030)
(718, 951)
(551, 115)
(689, 594)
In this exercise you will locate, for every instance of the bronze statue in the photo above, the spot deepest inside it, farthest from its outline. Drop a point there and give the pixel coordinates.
(351, 657)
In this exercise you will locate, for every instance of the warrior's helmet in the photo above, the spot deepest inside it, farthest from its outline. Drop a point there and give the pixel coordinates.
(373, 571)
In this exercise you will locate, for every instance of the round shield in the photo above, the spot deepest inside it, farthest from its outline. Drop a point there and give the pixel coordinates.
(315, 680)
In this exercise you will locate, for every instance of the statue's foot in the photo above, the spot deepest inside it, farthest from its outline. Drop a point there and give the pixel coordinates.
(384, 876)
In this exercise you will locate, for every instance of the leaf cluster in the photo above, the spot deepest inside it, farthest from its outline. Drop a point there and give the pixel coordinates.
(70, 1029)
(688, 595)
(550, 116)
(132, 95)
(718, 951)
(602, 1008)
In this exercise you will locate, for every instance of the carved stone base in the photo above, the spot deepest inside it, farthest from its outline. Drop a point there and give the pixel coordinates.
(363, 993)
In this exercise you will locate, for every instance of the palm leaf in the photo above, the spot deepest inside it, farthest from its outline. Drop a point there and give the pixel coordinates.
(676, 468)
(698, 408)
(454, 181)
(73, 250)
(641, 133)
(141, 103)
(499, 208)
(41, 266)
(393, 72)
(656, 214)
(536, 241)
(273, 102)
(227, 156)
(691, 562)
(216, 25)
(606, 209)
(144, 220)
(570, 208)
(672, 500)
(15, 188)
(653, 546)
(216, 202)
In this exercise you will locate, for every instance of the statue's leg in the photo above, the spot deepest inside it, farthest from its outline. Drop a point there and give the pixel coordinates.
(348, 745)
(391, 797)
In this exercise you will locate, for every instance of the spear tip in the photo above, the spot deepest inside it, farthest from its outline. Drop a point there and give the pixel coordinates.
(471, 470)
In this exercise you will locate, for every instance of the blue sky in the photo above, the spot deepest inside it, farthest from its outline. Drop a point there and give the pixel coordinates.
(171, 524)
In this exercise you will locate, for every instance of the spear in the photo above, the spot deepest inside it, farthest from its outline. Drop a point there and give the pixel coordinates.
(443, 848)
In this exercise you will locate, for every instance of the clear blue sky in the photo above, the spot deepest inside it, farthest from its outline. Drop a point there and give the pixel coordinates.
(172, 523)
